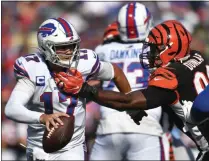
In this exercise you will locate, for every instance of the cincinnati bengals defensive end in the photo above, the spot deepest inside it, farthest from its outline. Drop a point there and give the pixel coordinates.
(37, 99)
(180, 75)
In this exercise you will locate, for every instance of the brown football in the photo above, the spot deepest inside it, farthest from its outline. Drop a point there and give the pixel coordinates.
(57, 138)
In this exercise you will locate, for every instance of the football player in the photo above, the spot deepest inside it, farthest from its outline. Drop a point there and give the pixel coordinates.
(200, 108)
(122, 45)
(180, 75)
(200, 115)
(36, 99)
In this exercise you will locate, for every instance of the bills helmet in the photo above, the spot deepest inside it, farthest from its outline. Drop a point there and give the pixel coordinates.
(135, 22)
(59, 42)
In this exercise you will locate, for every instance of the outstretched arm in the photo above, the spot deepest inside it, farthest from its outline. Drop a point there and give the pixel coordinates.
(120, 80)
(132, 101)
(149, 98)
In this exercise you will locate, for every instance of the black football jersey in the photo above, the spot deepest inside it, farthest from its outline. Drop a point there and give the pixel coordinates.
(192, 75)
(187, 78)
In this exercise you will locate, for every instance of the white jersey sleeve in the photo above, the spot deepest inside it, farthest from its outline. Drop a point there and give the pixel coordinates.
(106, 71)
(25, 70)
(16, 105)
(99, 69)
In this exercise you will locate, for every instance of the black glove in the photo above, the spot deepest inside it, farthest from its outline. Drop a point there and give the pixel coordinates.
(88, 91)
(137, 116)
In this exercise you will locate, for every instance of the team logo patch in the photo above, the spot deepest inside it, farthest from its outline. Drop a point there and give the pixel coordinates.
(40, 80)
(47, 29)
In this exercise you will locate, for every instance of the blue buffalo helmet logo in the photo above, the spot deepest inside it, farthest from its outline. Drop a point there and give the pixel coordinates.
(47, 29)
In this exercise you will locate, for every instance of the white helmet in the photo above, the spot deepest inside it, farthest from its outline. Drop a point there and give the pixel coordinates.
(134, 21)
(55, 33)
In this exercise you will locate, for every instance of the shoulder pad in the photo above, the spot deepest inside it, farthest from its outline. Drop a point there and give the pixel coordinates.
(91, 61)
(163, 78)
(29, 66)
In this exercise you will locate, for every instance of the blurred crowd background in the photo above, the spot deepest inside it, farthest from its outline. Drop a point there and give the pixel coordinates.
(20, 21)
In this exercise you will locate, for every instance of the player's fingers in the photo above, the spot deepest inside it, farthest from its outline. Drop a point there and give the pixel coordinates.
(67, 78)
(137, 122)
(62, 114)
(63, 74)
(53, 123)
(62, 78)
(56, 80)
(59, 121)
(47, 126)
(60, 84)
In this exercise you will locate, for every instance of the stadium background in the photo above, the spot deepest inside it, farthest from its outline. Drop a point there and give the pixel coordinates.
(20, 21)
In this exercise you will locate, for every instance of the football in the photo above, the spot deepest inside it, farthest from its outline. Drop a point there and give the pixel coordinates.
(57, 138)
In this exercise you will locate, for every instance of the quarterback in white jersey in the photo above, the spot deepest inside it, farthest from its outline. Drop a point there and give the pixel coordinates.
(139, 141)
(36, 99)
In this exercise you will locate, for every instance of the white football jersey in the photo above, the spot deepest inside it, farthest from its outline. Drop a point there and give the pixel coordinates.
(126, 56)
(48, 99)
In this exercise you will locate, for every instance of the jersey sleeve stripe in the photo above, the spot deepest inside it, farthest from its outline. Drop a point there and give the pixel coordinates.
(94, 68)
(19, 70)
(71, 107)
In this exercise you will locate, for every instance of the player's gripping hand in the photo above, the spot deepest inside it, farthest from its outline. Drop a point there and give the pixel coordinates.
(137, 116)
(69, 83)
(53, 119)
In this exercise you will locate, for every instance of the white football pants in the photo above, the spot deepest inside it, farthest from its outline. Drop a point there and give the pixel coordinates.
(76, 153)
(127, 146)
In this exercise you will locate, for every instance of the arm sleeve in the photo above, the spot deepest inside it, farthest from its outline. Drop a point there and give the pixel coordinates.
(16, 106)
(106, 71)
(156, 96)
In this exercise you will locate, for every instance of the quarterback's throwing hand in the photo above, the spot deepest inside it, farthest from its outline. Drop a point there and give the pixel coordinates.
(70, 84)
(52, 119)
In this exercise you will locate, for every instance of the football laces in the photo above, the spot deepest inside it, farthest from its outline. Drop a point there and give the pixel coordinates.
(50, 133)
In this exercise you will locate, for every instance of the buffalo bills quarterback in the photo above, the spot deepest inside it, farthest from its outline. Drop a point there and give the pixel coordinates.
(36, 99)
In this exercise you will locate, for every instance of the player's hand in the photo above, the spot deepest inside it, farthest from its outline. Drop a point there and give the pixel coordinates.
(70, 84)
(52, 119)
(137, 116)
